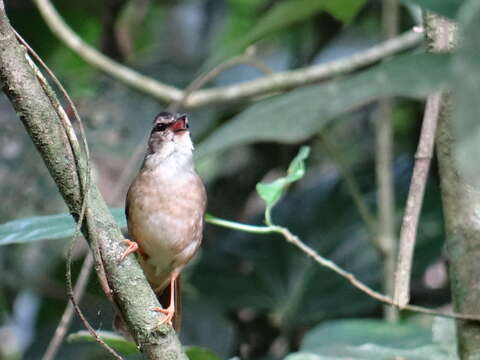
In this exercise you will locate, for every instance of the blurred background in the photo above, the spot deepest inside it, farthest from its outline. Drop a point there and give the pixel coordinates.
(248, 295)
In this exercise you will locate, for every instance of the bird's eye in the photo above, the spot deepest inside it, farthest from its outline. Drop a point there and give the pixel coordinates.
(160, 127)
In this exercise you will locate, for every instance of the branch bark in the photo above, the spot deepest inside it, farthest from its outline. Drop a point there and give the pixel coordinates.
(461, 203)
(408, 232)
(439, 39)
(131, 292)
(265, 85)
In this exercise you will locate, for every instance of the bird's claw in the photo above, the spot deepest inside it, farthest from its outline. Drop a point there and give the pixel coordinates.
(132, 247)
(169, 313)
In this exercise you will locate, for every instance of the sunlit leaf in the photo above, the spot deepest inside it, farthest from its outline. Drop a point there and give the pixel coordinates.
(45, 227)
(116, 341)
(300, 114)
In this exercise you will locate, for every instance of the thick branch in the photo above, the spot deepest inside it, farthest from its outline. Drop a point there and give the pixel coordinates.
(131, 292)
(461, 200)
(265, 85)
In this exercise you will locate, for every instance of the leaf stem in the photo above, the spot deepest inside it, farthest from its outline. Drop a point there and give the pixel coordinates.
(238, 226)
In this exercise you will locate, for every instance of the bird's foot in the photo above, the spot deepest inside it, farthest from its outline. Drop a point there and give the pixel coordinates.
(168, 312)
(132, 247)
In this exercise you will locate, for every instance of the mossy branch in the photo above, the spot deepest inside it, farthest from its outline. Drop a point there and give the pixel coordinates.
(130, 291)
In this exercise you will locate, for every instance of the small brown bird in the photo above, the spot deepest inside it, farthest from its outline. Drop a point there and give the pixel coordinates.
(165, 207)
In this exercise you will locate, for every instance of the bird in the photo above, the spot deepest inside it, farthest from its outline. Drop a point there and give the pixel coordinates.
(165, 207)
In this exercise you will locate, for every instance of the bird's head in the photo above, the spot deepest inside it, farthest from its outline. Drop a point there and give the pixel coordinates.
(170, 134)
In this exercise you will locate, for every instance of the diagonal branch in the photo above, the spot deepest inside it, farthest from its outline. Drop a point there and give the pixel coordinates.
(130, 290)
(263, 86)
(408, 232)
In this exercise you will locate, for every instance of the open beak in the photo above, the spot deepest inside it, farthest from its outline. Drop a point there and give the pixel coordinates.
(180, 124)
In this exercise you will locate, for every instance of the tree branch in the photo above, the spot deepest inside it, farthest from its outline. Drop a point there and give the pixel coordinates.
(440, 38)
(384, 172)
(131, 292)
(265, 85)
(408, 232)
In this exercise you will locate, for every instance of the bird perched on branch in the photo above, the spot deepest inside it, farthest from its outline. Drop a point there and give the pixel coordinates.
(165, 207)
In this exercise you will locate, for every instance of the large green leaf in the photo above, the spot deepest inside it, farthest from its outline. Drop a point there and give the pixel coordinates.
(466, 87)
(300, 114)
(367, 339)
(364, 331)
(284, 14)
(447, 8)
(375, 352)
(45, 227)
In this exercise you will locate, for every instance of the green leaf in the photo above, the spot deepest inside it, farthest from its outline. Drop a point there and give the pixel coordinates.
(447, 8)
(116, 341)
(272, 192)
(300, 114)
(375, 352)
(284, 14)
(365, 331)
(198, 353)
(45, 227)
(368, 339)
(126, 347)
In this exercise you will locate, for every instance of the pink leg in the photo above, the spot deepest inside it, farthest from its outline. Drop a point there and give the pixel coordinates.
(170, 311)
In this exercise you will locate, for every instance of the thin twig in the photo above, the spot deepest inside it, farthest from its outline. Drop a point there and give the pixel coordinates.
(203, 80)
(265, 85)
(295, 240)
(64, 324)
(384, 172)
(416, 192)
